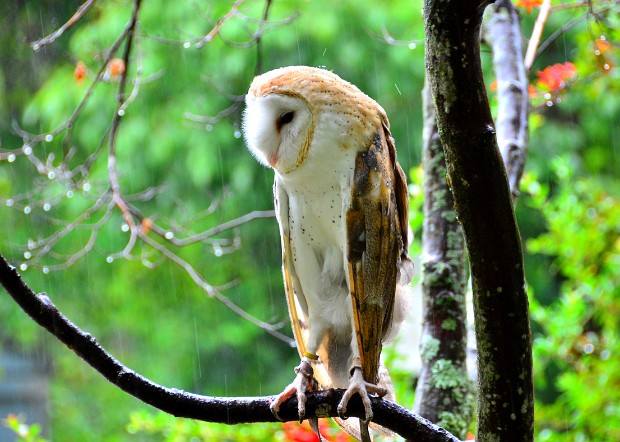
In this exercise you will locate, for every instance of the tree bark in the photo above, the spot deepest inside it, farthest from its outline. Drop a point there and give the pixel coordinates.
(444, 394)
(483, 203)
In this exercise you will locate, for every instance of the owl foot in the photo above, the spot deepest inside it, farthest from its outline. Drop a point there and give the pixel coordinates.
(299, 386)
(357, 384)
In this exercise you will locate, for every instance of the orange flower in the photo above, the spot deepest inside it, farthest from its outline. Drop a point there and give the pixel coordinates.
(147, 223)
(116, 67)
(602, 45)
(529, 5)
(553, 78)
(79, 72)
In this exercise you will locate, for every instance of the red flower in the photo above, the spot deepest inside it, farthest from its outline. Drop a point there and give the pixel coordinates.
(529, 5)
(553, 78)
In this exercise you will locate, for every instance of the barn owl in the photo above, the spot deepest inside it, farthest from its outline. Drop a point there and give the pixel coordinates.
(342, 206)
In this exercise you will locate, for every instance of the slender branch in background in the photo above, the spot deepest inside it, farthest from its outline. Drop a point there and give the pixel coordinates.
(179, 403)
(82, 10)
(543, 14)
(444, 334)
(503, 34)
(483, 203)
(258, 36)
(213, 292)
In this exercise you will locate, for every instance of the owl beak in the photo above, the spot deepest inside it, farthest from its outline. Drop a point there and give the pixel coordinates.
(272, 159)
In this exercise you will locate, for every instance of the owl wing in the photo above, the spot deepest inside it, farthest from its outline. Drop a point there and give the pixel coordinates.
(377, 231)
(295, 299)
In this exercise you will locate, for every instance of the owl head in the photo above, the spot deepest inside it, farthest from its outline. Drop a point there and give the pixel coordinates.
(294, 112)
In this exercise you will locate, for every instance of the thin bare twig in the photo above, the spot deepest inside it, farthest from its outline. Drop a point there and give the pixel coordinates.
(82, 10)
(543, 14)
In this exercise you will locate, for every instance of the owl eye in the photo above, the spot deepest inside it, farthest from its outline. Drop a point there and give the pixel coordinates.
(286, 117)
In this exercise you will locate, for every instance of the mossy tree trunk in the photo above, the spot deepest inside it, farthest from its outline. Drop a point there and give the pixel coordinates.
(483, 203)
(444, 394)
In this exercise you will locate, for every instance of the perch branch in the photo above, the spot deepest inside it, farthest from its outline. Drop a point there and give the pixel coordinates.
(179, 403)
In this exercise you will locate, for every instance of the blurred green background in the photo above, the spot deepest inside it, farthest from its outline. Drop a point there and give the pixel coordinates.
(158, 321)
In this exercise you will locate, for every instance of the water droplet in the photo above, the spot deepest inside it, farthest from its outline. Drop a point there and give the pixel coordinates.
(389, 40)
(49, 137)
(47, 207)
(70, 194)
(602, 37)
(121, 112)
(606, 66)
(86, 187)
(27, 210)
(597, 52)
(9, 202)
(109, 259)
(547, 96)
(549, 103)
(51, 174)
(23, 267)
(31, 244)
(209, 127)
(237, 134)
(27, 149)
(125, 227)
(11, 157)
(46, 270)
(218, 252)
(412, 45)
(36, 47)
(169, 235)
(27, 255)
(187, 45)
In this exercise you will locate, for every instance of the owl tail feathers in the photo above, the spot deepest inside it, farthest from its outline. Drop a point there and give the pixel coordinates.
(360, 430)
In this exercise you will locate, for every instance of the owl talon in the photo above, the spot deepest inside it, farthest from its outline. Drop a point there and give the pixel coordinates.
(299, 386)
(357, 384)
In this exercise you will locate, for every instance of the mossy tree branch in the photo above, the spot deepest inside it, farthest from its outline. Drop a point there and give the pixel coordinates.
(483, 203)
(444, 394)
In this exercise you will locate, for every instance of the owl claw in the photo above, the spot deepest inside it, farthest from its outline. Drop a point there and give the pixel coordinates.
(299, 386)
(357, 384)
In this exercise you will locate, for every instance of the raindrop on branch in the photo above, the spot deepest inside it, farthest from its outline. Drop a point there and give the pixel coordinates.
(109, 260)
(46, 270)
(23, 267)
(11, 157)
(169, 235)
(49, 137)
(27, 210)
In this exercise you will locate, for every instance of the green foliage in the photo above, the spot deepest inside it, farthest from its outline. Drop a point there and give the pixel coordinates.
(577, 374)
(163, 427)
(23, 431)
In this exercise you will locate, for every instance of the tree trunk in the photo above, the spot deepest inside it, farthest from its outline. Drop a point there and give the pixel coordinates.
(444, 394)
(483, 203)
